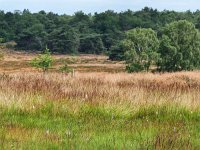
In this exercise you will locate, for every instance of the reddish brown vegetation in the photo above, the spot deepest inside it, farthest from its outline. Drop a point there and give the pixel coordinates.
(141, 88)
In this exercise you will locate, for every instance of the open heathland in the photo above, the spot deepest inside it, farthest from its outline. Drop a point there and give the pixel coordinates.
(99, 110)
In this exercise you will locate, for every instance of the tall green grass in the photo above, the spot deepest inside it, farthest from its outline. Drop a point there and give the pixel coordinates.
(55, 126)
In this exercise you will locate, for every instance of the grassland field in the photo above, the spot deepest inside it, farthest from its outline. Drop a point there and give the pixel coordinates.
(101, 107)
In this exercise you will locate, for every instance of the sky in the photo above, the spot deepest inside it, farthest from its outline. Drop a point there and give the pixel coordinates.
(91, 6)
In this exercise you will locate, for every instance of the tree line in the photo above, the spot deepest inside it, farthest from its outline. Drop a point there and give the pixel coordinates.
(162, 40)
(82, 33)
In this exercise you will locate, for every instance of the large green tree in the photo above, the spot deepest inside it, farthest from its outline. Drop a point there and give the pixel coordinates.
(141, 47)
(180, 47)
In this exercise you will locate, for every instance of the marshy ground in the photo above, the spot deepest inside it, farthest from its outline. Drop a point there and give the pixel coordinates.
(102, 107)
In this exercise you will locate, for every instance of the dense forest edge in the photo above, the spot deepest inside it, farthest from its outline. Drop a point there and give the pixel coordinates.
(168, 39)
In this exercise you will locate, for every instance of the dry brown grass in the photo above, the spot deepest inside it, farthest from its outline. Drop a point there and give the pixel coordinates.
(105, 88)
(17, 61)
(94, 83)
(43, 108)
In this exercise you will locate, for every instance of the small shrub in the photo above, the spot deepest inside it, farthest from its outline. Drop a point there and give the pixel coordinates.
(65, 68)
(134, 67)
(2, 40)
(43, 61)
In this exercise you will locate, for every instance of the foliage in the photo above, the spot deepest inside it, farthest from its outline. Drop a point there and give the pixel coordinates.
(65, 68)
(43, 61)
(32, 38)
(117, 52)
(82, 33)
(64, 40)
(134, 67)
(1, 40)
(141, 47)
(180, 47)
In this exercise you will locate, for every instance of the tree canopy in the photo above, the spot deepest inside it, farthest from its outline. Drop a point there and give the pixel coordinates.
(83, 33)
(180, 47)
(141, 47)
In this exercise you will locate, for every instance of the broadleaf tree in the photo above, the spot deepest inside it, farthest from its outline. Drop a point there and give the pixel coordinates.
(141, 47)
(179, 47)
